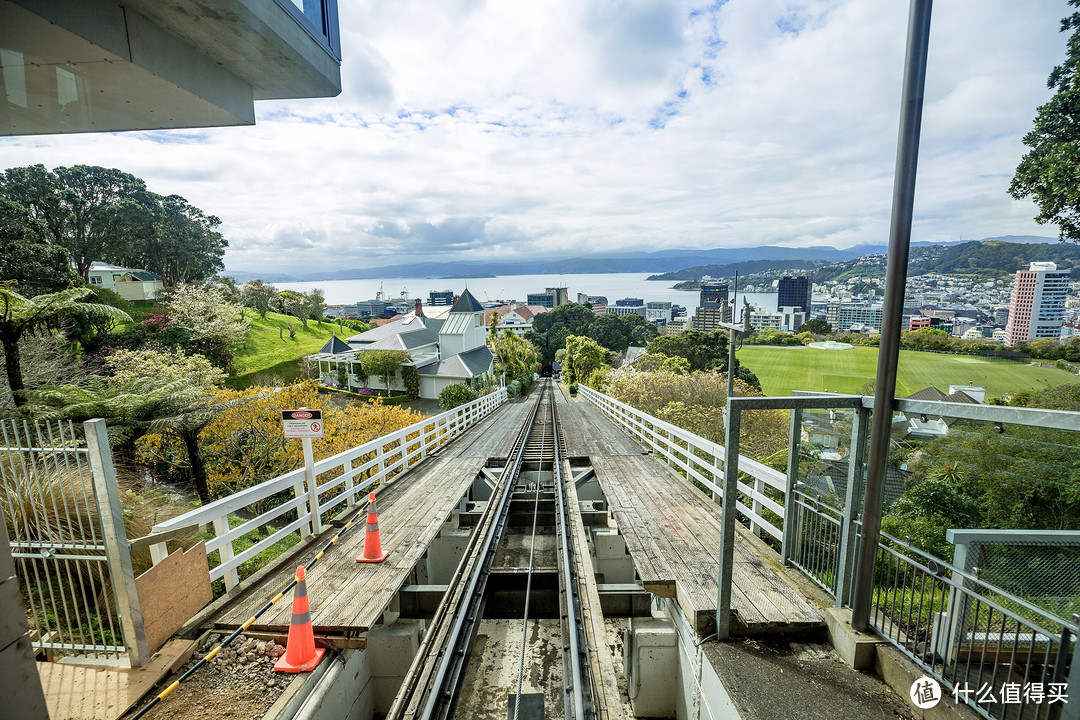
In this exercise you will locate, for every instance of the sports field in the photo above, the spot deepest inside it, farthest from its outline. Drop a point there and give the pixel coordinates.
(784, 369)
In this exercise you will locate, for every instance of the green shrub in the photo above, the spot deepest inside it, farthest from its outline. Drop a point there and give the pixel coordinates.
(513, 389)
(454, 395)
(411, 377)
(573, 388)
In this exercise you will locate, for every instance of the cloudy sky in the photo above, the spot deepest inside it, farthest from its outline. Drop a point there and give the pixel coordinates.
(477, 130)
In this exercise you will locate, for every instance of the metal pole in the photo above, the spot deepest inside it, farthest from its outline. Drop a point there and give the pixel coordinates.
(907, 155)
(731, 340)
(117, 547)
(727, 534)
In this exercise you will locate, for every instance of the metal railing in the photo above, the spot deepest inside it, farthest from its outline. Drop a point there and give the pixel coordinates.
(66, 530)
(338, 481)
(991, 650)
(968, 633)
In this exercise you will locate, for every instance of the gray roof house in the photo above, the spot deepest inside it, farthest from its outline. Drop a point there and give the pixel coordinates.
(444, 351)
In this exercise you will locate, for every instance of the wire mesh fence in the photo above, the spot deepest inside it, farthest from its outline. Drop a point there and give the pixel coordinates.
(54, 529)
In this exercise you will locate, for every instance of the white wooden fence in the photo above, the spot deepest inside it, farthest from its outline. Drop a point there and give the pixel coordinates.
(702, 460)
(354, 472)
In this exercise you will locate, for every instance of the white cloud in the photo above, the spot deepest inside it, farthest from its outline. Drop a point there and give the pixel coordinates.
(478, 130)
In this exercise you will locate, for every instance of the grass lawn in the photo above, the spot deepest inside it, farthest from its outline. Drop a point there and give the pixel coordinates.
(782, 370)
(270, 351)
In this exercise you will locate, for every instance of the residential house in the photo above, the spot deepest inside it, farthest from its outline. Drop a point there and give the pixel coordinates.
(445, 350)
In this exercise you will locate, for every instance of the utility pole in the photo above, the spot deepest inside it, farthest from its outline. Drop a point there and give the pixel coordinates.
(907, 157)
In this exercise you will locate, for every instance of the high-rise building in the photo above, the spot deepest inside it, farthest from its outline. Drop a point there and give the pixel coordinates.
(713, 307)
(550, 298)
(1037, 305)
(598, 302)
(794, 292)
(713, 293)
(441, 297)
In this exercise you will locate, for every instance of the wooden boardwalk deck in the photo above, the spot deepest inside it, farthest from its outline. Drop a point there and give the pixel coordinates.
(348, 597)
(672, 531)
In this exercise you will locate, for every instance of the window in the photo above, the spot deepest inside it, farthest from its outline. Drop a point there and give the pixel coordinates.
(95, 280)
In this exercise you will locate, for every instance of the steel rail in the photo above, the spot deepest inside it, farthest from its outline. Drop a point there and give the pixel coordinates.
(436, 695)
(532, 555)
(576, 658)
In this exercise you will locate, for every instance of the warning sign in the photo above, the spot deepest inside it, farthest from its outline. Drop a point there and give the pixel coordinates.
(302, 423)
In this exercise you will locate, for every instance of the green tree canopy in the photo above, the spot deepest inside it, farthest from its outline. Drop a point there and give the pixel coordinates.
(174, 239)
(817, 326)
(1050, 171)
(704, 350)
(580, 357)
(383, 363)
(20, 314)
(89, 211)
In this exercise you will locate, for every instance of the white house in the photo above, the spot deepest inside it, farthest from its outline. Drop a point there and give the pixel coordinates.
(444, 351)
(132, 285)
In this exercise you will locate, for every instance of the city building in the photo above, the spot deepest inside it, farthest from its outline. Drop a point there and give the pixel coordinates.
(441, 297)
(598, 302)
(787, 318)
(712, 310)
(794, 292)
(853, 316)
(552, 297)
(1037, 304)
(77, 66)
(628, 306)
(658, 312)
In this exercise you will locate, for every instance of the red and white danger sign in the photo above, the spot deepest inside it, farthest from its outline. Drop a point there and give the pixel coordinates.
(302, 423)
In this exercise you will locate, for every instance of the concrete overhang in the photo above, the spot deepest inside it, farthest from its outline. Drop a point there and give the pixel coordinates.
(98, 65)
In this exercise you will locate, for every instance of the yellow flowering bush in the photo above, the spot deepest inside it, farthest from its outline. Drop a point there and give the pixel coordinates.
(245, 445)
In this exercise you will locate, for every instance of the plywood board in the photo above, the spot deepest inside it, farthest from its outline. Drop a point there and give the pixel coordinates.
(95, 692)
(172, 591)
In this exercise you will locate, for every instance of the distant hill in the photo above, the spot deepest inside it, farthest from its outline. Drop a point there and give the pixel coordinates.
(661, 261)
(743, 268)
(996, 256)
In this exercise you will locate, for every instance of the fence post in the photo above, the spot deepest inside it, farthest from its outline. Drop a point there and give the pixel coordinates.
(225, 552)
(301, 503)
(860, 422)
(116, 543)
(727, 535)
(312, 490)
(791, 504)
(1071, 711)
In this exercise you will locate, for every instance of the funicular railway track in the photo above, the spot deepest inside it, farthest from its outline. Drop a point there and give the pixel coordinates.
(529, 498)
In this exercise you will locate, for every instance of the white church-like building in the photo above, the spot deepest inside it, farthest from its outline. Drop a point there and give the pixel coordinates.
(445, 351)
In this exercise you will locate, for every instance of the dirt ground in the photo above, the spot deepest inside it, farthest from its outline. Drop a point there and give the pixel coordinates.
(238, 684)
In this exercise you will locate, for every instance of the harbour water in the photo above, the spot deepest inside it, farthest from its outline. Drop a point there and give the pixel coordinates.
(614, 286)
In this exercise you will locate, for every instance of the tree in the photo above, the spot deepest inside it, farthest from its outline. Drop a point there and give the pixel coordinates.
(638, 329)
(26, 257)
(610, 331)
(314, 304)
(515, 356)
(290, 302)
(580, 357)
(704, 350)
(454, 395)
(1050, 171)
(383, 363)
(817, 326)
(185, 246)
(207, 314)
(90, 211)
(19, 314)
(255, 294)
(550, 329)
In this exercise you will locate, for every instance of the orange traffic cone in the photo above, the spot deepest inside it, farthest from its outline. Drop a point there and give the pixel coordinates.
(301, 654)
(373, 551)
